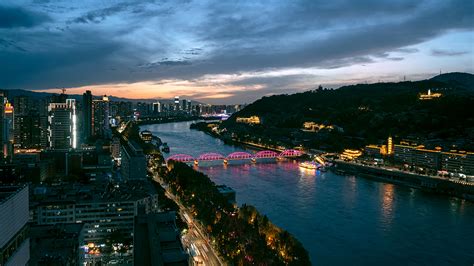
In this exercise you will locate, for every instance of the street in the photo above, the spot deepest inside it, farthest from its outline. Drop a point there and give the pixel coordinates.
(195, 240)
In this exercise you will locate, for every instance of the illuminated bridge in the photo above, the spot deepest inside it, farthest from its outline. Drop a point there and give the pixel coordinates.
(239, 155)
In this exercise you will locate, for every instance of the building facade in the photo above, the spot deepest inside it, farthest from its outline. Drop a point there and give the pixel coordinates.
(14, 213)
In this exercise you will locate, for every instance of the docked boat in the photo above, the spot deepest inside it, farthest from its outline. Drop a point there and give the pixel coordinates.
(309, 165)
(165, 148)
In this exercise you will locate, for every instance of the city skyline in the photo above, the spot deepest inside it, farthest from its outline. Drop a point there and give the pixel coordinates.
(228, 53)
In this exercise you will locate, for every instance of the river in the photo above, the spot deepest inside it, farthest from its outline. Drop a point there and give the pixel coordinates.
(341, 220)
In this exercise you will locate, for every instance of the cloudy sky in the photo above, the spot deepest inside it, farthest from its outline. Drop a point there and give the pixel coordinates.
(228, 51)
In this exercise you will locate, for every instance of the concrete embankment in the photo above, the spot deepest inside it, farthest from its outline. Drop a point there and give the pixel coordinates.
(427, 183)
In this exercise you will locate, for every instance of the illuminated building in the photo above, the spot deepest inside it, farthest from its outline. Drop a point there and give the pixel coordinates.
(61, 126)
(176, 103)
(373, 150)
(249, 120)
(429, 95)
(72, 106)
(157, 107)
(389, 146)
(349, 154)
(14, 214)
(115, 148)
(418, 155)
(100, 117)
(8, 127)
(146, 136)
(312, 126)
(458, 162)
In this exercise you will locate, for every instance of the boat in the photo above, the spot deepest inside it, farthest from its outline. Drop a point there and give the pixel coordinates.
(165, 148)
(308, 165)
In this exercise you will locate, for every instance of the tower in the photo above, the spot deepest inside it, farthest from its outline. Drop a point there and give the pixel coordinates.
(86, 115)
(389, 145)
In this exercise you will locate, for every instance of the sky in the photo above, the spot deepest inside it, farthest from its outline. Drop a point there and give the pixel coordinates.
(228, 52)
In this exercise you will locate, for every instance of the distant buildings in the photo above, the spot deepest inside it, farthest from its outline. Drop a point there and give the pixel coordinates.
(460, 162)
(429, 95)
(253, 120)
(14, 213)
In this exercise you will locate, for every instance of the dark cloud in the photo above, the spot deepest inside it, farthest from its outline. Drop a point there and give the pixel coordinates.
(407, 50)
(97, 16)
(439, 52)
(13, 17)
(95, 42)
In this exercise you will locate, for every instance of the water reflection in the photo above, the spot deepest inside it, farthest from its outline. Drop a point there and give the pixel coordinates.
(387, 204)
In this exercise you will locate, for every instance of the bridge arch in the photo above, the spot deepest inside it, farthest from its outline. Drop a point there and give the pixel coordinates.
(210, 156)
(239, 155)
(266, 154)
(181, 158)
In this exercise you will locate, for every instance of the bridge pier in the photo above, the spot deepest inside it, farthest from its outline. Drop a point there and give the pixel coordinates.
(253, 160)
(196, 162)
(225, 162)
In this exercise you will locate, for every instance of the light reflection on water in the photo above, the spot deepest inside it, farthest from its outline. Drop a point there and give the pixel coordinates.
(341, 220)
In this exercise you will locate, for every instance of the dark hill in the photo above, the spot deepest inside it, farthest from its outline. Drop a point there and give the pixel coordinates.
(464, 80)
(366, 112)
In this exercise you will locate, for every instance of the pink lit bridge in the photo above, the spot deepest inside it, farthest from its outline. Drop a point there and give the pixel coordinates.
(239, 155)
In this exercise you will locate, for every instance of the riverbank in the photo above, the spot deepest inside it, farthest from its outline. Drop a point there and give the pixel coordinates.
(202, 126)
(163, 120)
(422, 182)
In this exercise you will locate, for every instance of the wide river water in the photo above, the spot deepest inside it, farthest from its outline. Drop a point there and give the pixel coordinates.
(341, 220)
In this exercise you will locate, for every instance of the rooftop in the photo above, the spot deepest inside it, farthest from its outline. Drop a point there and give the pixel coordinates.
(104, 191)
(157, 240)
(7, 191)
(55, 244)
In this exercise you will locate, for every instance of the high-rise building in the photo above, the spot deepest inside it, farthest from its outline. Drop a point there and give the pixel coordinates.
(62, 128)
(14, 214)
(188, 107)
(183, 105)
(27, 127)
(86, 115)
(156, 107)
(100, 117)
(8, 122)
(22, 105)
(176, 103)
(115, 148)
